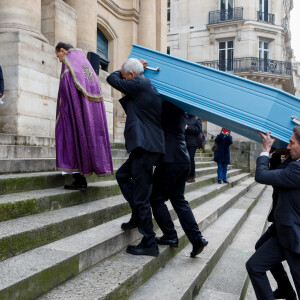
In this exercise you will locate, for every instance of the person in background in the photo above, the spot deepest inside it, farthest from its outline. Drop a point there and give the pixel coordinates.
(192, 130)
(169, 182)
(81, 134)
(222, 154)
(1, 83)
(144, 140)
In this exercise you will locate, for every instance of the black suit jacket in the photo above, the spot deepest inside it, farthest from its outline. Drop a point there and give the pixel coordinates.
(173, 122)
(286, 214)
(194, 127)
(1, 82)
(143, 107)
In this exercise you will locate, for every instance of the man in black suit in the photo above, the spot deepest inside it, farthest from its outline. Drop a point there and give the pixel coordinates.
(285, 242)
(170, 178)
(1, 83)
(144, 140)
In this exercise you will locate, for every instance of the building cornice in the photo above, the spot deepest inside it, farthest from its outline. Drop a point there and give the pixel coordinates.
(120, 13)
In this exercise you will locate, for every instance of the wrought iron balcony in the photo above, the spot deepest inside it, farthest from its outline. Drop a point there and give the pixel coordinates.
(250, 64)
(225, 15)
(265, 17)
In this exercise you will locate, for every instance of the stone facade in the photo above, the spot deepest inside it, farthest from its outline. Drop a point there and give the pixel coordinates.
(29, 30)
(199, 30)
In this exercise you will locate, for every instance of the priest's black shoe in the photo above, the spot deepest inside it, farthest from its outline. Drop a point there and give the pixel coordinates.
(166, 241)
(281, 294)
(198, 247)
(142, 250)
(129, 225)
(76, 186)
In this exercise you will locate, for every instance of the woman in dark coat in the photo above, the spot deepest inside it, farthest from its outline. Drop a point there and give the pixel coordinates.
(192, 130)
(222, 154)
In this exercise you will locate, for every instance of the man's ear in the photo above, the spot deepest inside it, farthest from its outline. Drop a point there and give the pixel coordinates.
(133, 74)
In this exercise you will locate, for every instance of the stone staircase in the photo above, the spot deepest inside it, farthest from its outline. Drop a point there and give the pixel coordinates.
(58, 244)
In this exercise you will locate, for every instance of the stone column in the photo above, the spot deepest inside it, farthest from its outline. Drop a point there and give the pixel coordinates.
(86, 11)
(147, 24)
(24, 16)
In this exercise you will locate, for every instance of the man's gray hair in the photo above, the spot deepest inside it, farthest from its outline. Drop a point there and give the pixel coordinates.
(133, 65)
(296, 131)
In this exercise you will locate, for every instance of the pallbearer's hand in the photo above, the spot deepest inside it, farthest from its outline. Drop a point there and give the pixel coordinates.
(267, 141)
(144, 63)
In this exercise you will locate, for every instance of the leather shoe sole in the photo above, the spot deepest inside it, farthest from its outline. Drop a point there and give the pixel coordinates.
(171, 242)
(75, 187)
(280, 294)
(198, 248)
(128, 225)
(138, 250)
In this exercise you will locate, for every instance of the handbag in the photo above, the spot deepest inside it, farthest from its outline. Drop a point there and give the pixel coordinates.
(214, 147)
(201, 139)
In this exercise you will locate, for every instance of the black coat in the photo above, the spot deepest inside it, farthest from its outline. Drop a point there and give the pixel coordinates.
(193, 130)
(1, 82)
(286, 214)
(173, 122)
(222, 154)
(143, 107)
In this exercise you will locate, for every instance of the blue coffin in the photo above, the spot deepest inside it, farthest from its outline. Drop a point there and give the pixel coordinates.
(238, 104)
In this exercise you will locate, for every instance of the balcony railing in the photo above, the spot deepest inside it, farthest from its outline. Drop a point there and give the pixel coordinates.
(265, 17)
(225, 15)
(250, 64)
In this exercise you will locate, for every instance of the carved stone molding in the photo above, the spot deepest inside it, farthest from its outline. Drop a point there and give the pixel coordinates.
(121, 13)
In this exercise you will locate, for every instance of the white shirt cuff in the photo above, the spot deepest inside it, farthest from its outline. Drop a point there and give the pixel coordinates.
(265, 154)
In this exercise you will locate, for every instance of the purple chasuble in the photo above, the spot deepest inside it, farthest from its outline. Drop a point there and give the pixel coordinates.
(82, 140)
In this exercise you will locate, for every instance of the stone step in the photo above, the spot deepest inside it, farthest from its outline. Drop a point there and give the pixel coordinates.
(14, 183)
(229, 278)
(205, 164)
(36, 271)
(120, 275)
(19, 235)
(25, 151)
(203, 158)
(28, 165)
(209, 170)
(195, 272)
(37, 201)
(13, 139)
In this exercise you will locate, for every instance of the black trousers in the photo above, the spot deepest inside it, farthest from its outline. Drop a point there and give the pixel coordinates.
(267, 257)
(278, 271)
(169, 183)
(192, 152)
(135, 178)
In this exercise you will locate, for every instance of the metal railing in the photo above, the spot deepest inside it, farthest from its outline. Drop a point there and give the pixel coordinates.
(250, 64)
(225, 15)
(265, 17)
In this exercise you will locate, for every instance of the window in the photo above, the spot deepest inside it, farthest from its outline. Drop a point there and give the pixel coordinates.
(102, 49)
(263, 10)
(226, 56)
(169, 11)
(226, 8)
(264, 55)
(168, 50)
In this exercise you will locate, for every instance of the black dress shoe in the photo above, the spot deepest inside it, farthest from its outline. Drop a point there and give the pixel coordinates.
(76, 186)
(220, 181)
(165, 241)
(129, 225)
(142, 250)
(225, 181)
(281, 294)
(198, 247)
